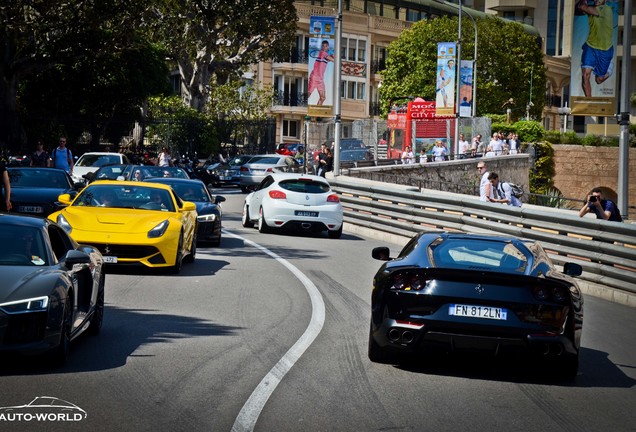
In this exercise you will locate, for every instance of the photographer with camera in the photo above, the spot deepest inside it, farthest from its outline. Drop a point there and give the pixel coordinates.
(604, 209)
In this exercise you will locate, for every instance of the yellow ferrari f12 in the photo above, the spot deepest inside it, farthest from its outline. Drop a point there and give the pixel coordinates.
(132, 223)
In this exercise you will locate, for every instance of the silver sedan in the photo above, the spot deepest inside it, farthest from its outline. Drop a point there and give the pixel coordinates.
(255, 170)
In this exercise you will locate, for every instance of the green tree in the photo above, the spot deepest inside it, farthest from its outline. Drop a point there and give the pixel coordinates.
(180, 128)
(59, 37)
(211, 41)
(239, 111)
(509, 63)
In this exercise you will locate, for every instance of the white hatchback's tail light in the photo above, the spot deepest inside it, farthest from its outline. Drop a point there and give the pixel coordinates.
(333, 198)
(276, 194)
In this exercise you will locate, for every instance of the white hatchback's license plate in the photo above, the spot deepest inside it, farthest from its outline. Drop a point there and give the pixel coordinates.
(30, 209)
(488, 312)
(110, 259)
(306, 213)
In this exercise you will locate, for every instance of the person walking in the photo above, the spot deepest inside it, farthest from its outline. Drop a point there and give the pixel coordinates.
(62, 157)
(5, 201)
(164, 158)
(484, 185)
(40, 157)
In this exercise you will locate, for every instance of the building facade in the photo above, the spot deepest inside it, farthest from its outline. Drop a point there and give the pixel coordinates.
(368, 27)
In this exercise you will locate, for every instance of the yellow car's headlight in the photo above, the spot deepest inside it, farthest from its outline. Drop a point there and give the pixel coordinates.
(36, 304)
(159, 230)
(62, 222)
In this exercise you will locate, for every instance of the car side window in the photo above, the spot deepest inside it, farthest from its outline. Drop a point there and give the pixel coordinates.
(267, 181)
(59, 241)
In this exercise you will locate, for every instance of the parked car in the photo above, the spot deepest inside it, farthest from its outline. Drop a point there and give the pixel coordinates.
(457, 292)
(52, 288)
(255, 170)
(294, 201)
(353, 149)
(92, 161)
(35, 190)
(209, 212)
(287, 149)
(137, 223)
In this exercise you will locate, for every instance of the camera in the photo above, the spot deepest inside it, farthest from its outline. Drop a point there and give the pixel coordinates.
(593, 198)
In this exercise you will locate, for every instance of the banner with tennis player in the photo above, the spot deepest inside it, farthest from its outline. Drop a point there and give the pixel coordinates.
(320, 91)
(445, 90)
(594, 42)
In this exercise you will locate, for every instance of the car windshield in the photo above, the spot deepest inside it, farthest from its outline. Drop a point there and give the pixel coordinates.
(478, 255)
(131, 197)
(305, 186)
(191, 192)
(239, 160)
(92, 160)
(39, 178)
(149, 171)
(22, 246)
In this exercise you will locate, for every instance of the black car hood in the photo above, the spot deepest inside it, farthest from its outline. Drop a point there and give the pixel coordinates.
(204, 208)
(27, 194)
(22, 282)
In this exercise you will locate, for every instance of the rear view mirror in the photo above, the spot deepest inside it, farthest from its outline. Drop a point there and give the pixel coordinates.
(381, 253)
(572, 269)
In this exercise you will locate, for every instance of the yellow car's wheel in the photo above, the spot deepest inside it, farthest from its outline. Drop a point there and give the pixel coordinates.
(176, 268)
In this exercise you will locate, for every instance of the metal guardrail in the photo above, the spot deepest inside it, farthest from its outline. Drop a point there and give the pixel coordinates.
(605, 250)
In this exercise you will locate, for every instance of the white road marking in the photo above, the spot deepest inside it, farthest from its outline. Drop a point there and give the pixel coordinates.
(247, 417)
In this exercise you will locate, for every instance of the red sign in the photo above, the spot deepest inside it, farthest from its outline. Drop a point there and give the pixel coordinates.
(396, 120)
(423, 110)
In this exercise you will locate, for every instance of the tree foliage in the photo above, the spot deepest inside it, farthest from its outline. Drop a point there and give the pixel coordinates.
(211, 40)
(239, 111)
(73, 60)
(509, 63)
(182, 129)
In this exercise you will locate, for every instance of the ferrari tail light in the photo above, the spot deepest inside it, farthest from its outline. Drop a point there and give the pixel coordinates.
(276, 194)
(557, 294)
(333, 198)
(406, 281)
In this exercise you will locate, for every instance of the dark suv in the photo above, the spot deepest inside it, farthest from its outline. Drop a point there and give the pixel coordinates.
(353, 149)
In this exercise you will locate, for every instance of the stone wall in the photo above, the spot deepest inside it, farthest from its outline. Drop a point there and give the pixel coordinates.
(450, 175)
(579, 169)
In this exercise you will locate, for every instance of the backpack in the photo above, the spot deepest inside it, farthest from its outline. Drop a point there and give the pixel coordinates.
(516, 190)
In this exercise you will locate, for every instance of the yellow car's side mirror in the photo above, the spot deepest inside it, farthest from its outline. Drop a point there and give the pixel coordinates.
(188, 206)
(64, 199)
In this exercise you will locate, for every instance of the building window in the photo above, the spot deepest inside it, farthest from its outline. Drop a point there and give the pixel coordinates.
(352, 90)
(412, 15)
(353, 49)
(290, 128)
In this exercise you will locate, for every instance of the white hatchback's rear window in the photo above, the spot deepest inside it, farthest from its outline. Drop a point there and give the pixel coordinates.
(305, 186)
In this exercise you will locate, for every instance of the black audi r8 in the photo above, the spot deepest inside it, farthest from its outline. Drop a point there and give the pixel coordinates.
(52, 288)
(34, 191)
(455, 292)
(209, 211)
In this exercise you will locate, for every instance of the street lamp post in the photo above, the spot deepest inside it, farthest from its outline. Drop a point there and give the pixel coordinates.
(564, 112)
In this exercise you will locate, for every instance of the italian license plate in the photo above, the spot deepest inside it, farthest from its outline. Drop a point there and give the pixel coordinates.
(306, 213)
(30, 209)
(110, 259)
(472, 311)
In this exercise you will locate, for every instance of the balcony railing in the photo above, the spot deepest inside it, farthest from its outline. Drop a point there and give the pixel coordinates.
(295, 56)
(378, 65)
(290, 99)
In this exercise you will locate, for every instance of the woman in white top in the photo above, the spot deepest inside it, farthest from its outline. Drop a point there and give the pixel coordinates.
(164, 158)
